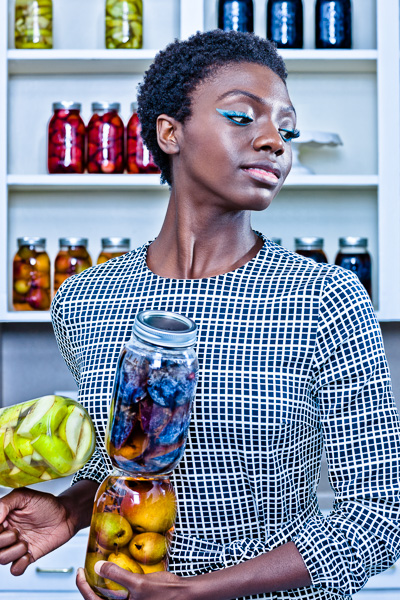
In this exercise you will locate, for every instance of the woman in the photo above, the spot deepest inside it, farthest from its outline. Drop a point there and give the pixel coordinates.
(290, 352)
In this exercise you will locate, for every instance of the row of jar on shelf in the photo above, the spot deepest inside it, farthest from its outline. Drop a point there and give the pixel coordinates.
(124, 22)
(31, 267)
(103, 146)
(31, 264)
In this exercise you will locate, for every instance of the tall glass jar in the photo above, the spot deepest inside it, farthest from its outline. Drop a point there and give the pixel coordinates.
(132, 525)
(33, 24)
(72, 258)
(124, 27)
(111, 247)
(66, 139)
(31, 275)
(285, 23)
(105, 137)
(236, 15)
(333, 28)
(353, 255)
(139, 159)
(153, 395)
(311, 247)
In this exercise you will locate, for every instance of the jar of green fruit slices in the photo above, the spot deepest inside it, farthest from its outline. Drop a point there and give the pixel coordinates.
(42, 439)
(34, 24)
(124, 24)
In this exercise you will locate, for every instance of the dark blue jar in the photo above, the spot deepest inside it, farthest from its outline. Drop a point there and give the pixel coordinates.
(236, 15)
(333, 24)
(353, 255)
(285, 23)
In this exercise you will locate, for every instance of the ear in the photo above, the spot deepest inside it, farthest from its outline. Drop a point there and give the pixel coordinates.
(167, 128)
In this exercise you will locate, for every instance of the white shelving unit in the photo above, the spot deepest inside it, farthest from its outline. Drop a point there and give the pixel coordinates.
(356, 188)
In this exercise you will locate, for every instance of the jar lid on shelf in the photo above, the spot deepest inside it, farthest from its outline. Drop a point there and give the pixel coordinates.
(276, 240)
(309, 242)
(67, 105)
(73, 241)
(349, 242)
(164, 328)
(31, 241)
(134, 106)
(115, 241)
(106, 106)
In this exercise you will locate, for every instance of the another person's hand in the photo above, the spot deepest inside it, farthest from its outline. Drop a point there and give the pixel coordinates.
(153, 586)
(32, 524)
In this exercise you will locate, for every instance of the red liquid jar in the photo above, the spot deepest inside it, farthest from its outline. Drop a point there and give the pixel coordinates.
(139, 159)
(105, 138)
(31, 275)
(66, 139)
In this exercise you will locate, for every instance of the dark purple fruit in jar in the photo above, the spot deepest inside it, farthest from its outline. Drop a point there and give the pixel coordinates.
(165, 462)
(153, 416)
(124, 422)
(162, 389)
(172, 433)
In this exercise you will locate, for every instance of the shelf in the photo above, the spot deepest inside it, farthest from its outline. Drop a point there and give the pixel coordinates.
(27, 183)
(28, 316)
(61, 62)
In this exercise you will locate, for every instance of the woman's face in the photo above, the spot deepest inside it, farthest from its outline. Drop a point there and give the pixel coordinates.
(235, 147)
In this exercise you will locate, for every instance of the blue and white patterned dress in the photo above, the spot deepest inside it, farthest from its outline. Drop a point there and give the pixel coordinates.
(291, 361)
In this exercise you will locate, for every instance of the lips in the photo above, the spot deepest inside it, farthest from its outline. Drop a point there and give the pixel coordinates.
(264, 172)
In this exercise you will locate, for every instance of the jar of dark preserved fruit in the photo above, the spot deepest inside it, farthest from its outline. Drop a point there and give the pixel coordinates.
(154, 388)
(66, 139)
(72, 258)
(333, 26)
(311, 247)
(285, 23)
(139, 159)
(111, 247)
(31, 275)
(353, 255)
(105, 138)
(236, 15)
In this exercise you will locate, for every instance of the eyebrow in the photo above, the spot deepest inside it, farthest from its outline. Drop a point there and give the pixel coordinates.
(288, 109)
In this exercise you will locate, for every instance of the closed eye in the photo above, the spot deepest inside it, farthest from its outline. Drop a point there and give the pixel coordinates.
(238, 118)
(289, 134)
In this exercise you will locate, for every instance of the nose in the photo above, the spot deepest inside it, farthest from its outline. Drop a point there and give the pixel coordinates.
(269, 139)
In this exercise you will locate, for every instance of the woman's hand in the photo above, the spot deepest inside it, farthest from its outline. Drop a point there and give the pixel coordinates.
(153, 586)
(32, 524)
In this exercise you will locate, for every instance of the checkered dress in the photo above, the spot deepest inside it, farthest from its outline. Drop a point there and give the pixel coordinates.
(291, 361)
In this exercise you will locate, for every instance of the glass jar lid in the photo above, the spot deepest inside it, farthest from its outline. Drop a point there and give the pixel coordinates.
(349, 242)
(73, 241)
(309, 242)
(106, 106)
(107, 242)
(31, 241)
(276, 240)
(134, 107)
(163, 328)
(66, 105)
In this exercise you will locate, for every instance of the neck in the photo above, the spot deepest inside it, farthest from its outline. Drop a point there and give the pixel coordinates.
(210, 243)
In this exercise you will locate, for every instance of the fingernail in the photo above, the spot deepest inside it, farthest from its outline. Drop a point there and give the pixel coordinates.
(98, 565)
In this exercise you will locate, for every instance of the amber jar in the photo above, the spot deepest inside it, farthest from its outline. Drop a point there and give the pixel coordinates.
(72, 258)
(139, 159)
(66, 139)
(311, 247)
(124, 24)
(111, 247)
(105, 138)
(33, 27)
(353, 255)
(31, 275)
(131, 526)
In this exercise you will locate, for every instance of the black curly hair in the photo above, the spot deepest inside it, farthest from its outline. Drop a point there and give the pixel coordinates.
(176, 71)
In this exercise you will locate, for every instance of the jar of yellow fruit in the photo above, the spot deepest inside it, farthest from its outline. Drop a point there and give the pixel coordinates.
(34, 24)
(131, 526)
(124, 24)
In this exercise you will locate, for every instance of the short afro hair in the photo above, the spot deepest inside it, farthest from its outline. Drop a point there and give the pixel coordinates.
(176, 71)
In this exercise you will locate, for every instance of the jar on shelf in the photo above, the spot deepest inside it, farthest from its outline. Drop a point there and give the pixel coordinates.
(236, 16)
(42, 439)
(105, 138)
(153, 395)
(333, 27)
(132, 527)
(353, 255)
(311, 247)
(139, 159)
(31, 275)
(33, 25)
(111, 247)
(285, 23)
(124, 28)
(72, 258)
(276, 240)
(66, 139)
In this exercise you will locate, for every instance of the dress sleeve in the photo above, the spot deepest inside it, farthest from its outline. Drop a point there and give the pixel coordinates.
(360, 425)
(96, 468)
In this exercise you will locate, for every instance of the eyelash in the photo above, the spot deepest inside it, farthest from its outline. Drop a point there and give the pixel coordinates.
(288, 134)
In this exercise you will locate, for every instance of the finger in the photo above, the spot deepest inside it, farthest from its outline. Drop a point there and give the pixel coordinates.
(8, 537)
(10, 502)
(13, 553)
(112, 571)
(19, 566)
(84, 587)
